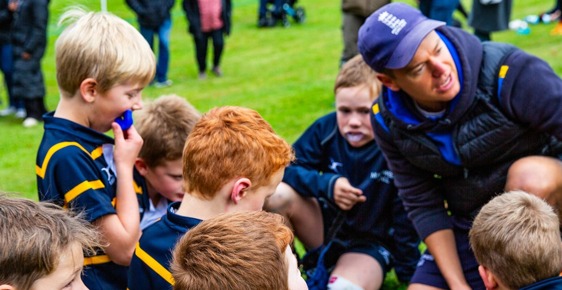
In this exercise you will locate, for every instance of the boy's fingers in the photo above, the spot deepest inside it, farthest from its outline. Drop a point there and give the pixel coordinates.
(117, 132)
(358, 191)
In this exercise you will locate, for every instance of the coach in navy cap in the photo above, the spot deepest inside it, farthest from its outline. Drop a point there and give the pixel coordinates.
(390, 36)
(459, 121)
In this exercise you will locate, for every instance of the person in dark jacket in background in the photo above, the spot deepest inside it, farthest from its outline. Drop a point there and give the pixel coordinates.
(29, 41)
(441, 10)
(459, 121)
(488, 16)
(154, 18)
(7, 59)
(354, 13)
(208, 19)
(339, 169)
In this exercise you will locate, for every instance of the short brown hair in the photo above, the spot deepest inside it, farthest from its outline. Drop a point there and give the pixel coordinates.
(238, 251)
(517, 237)
(230, 142)
(33, 235)
(355, 73)
(101, 46)
(164, 125)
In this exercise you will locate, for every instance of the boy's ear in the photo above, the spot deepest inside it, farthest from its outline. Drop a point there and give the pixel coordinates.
(239, 189)
(141, 167)
(488, 278)
(388, 82)
(6, 287)
(88, 90)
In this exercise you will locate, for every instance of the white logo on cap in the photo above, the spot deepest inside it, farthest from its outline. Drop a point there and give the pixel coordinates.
(392, 22)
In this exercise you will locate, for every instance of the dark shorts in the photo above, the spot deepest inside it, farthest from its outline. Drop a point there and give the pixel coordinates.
(428, 273)
(372, 249)
(363, 246)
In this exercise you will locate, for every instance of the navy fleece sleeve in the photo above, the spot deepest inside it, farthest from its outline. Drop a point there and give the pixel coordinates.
(307, 175)
(532, 93)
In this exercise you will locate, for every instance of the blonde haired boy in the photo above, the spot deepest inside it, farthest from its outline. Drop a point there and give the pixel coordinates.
(244, 250)
(163, 125)
(339, 168)
(42, 245)
(516, 240)
(232, 161)
(103, 64)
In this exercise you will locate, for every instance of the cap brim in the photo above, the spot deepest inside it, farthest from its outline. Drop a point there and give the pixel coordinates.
(406, 49)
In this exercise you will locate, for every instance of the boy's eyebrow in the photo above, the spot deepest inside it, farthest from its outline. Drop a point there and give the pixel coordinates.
(77, 271)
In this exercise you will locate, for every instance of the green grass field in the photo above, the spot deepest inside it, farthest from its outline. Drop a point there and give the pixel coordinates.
(286, 74)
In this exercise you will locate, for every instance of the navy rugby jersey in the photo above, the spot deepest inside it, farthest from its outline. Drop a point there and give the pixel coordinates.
(322, 156)
(554, 283)
(150, 266)
(75, 169)
(144, 200)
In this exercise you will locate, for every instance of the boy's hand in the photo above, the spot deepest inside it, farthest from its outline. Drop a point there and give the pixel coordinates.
(127, 145)
(345, 195)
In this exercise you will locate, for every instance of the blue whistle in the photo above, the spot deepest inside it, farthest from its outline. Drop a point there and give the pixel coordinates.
(125, 120)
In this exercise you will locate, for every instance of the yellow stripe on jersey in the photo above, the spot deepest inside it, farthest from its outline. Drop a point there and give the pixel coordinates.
(97, 153)
(80, 188)
(102, 259)
(503, 71)
(40, 171)
(137, 188)
(375, 108)
(154, 265)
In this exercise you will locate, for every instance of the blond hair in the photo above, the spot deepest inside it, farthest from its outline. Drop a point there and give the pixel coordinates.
(33, 235)
(356, 72)
(230, 142)
(101, 46)
(517, 237)
(164, 125)
(237, 251)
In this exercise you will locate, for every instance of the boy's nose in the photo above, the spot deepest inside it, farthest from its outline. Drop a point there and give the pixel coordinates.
(355, 120)
(137, 105)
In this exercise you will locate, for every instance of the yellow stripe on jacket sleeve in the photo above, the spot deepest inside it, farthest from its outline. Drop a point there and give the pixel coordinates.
(503, 71)
(154, 265)
(80, 188)
(40, 171)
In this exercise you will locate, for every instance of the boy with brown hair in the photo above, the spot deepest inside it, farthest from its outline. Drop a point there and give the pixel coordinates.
(42, 245)
(232, 161)
(339, 170)
(103, 64)
(244, 250)
(163, 125)
(516, 240)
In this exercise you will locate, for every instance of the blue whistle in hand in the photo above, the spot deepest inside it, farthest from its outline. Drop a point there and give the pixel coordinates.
(125, 120)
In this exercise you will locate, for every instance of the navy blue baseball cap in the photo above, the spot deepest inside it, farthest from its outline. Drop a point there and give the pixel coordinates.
(390, 36)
